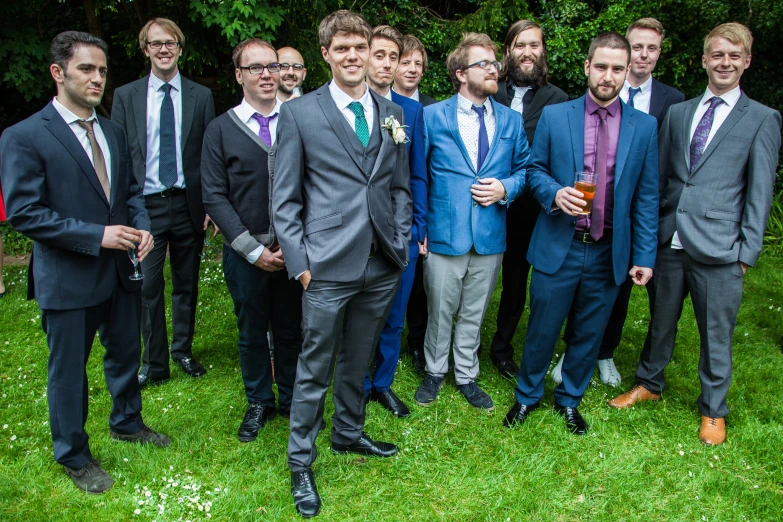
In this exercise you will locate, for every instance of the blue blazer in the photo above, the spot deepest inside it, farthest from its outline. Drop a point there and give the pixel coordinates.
(454, 221)
(413, 112)
(558, 153)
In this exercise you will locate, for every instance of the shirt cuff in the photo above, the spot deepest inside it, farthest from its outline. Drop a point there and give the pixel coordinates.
(300, 275)
(253, 256)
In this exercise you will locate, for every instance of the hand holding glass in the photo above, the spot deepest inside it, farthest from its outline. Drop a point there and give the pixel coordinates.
(585, 183)
(136, 275)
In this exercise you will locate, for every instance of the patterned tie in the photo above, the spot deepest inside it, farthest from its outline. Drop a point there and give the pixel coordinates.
(263, 130)
(362, 131)
(597, 215)
(699, 140)
(98, 161)
(483, 139)
(631, 93)
(167, 164)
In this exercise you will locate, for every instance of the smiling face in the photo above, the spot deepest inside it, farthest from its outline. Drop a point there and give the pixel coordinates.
(606, 74)
(163, 60)
(409, 72)
(478, 84)
(347, 57)
(527, 58)
(260, 90)
(725, 62)
(645, 51)
(80, 85)
(290, 79)
(382, 65)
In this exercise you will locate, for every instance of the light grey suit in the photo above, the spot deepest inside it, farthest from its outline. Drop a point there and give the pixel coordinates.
(335, 205)
(719, 210)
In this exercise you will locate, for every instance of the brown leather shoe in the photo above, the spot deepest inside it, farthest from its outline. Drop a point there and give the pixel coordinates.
(712, 431)
(637, 394)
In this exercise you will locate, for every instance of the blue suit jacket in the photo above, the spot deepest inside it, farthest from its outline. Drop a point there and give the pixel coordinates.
(558, 153)
(455, 222)
(413, 112)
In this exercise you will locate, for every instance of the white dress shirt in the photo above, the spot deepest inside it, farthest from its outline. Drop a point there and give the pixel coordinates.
(641, 102)
(468, 123)
(81, 134)
(719, 116)
(388, 95)
(152, 184)
(517, 103)
(245, 112)
(343, 100)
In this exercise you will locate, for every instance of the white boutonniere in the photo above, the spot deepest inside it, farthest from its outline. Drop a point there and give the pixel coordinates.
(396, 130)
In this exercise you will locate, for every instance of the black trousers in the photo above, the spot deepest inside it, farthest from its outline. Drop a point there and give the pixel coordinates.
(70, 335)
(416, 314)
(174, 232)
(263, 299)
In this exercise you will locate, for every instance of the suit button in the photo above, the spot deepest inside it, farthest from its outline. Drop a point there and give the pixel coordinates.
(475, 204)
(681, 211)
(689, 184)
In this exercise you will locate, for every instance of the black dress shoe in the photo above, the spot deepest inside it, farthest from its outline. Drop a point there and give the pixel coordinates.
(391, 402)
(507, 369)
(306, 499)
(146, 436)
(256, 418)
(366, 446)
(191, 366)
(144, 380)
(573, 418)
(419, 363)
(518, 413)
(91, 478)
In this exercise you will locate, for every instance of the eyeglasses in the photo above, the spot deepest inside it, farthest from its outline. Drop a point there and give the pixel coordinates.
(298, 67)
(259, 69)
(486, 65)
(157, 45)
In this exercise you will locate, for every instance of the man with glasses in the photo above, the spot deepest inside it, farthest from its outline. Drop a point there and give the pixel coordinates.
(292, 73)
(164, 116)
(477, 154)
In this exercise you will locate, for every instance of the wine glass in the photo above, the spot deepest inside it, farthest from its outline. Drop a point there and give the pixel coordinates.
(136, 275)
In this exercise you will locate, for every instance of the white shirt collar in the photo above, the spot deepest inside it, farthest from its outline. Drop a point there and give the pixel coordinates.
(730, 98)
(466, 106)
(388, 95)
(245, 111)
(645, 87)
(343, 100)
(69, 116)
(155, 82)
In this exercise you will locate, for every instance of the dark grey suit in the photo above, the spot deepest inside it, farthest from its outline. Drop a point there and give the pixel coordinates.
(177, 223)
(343, 212)
(719, 210)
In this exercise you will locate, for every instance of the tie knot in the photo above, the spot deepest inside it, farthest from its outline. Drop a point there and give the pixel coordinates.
(86, 124)
(166, 88)
(479, 110)
(602, 113)
(633, 91)
(357, 108)
(264, 120)
(715, 101)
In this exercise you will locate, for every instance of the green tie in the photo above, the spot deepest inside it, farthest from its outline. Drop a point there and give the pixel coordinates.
(361, 122)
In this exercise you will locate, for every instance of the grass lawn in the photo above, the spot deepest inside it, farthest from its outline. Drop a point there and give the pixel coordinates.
(456, 463)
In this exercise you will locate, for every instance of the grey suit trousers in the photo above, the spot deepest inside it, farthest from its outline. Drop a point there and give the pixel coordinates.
(716, 293)
(342, 322)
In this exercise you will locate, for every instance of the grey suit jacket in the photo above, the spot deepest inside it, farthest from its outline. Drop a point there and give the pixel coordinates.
(129, 109)
(720, 209)
(325, 207)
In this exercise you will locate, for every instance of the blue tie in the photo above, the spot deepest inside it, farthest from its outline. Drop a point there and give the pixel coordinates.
(483, 139)
(167, 164)
(631, 93)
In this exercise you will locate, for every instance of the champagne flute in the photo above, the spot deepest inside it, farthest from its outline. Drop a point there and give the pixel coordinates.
(136, 275)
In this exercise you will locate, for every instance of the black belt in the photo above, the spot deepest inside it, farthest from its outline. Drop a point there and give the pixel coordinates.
(373, 251)
(585, 237)
(168, 193)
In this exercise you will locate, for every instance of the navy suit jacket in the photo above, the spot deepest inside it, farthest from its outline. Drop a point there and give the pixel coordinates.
(54, 197)
(558, 153)
(661, 98)
(413, 112)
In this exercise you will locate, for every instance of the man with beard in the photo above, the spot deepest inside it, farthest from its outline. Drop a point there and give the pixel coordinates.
(526, 90)
(580, 259)
(292, 73)
(475, 147)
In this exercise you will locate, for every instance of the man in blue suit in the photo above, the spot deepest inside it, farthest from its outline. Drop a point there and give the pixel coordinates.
(477, 154)
(580, 261)
(69, 186)
(385, 49)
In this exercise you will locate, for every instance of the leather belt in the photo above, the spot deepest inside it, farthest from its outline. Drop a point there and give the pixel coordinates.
(168, 193)
(585, 237)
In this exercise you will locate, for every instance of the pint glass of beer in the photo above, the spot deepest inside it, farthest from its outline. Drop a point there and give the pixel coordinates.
(585, 183)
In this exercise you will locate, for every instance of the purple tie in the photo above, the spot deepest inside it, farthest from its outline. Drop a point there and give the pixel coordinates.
(263, 130)
(597, 215)
(699, 140)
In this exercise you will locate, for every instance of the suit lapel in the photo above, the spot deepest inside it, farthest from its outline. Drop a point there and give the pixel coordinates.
(500, 124)
(657, 98)
(539, 101)
(336, 121)
(139, 101)
(576, 124)
(114, 148)
(685, 131)
(451, 120)
(385, 136)
(627, 129)
(188, 108)
(734, 116)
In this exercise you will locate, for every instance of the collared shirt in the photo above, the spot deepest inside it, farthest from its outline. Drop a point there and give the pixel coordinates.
(343, 100)
(592, 121)
(152, 184)
(388, 95)
(414, 96)
(468, 123)
(641, 102)
(719, 116)
(81, 134)
(519, 94)
(245, 113)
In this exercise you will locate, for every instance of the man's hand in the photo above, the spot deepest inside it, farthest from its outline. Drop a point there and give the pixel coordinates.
(207, 221)
(423, 247)
(119, 237)
(305, 279)
(270, 261)
(640, 275)
(744, 267)
(489, 192)
(570, 201)
(145, 245)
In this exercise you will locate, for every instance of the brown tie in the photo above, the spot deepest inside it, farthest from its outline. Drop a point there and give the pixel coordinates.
(97, 157)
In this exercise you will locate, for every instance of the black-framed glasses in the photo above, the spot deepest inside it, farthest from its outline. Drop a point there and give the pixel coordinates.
(259, 69)
(169, 45)
(486, 65)
(298, 67)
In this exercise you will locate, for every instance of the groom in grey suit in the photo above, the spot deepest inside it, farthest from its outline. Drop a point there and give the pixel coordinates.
(718, 157)
(342, 212)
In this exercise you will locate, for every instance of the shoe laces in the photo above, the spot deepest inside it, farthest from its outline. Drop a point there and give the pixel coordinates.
(713, 421)
(304, 478)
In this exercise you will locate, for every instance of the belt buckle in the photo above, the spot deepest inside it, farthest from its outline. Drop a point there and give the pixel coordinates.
(586, 237)
(163, 193)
